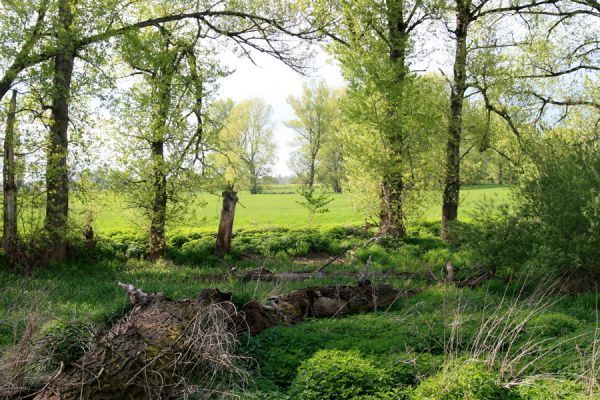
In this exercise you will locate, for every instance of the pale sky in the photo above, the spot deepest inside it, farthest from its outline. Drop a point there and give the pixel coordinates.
(273, 81)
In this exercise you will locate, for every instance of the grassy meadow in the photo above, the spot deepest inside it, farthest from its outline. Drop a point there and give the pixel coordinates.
(276, 207)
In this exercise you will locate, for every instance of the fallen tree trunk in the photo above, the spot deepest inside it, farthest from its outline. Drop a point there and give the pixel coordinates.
(266, 275)
(162, 345)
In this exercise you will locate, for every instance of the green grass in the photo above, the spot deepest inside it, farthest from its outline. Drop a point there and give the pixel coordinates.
(277, 207)
(417, 328)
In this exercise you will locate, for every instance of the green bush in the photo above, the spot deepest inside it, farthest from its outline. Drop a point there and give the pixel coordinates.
(338, 375)
(410, 368)
(197, 250)
(464, 380)
(554, 225)
(551, 389)
(553, 324)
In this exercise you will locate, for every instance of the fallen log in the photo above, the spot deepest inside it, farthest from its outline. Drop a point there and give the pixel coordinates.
(267, 275)
(162, 345)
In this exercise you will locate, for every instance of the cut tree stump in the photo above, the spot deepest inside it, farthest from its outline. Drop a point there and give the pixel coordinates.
(154, 350)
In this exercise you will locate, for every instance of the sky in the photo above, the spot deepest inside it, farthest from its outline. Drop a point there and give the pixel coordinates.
(273, 81)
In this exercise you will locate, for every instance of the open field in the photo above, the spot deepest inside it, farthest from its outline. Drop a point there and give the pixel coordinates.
(277, 207)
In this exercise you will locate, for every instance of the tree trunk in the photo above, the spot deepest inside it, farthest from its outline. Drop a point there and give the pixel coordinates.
(337, 187)
(9, 239)
(253, 183)
(392, 186)
(157, 245)
(311, 174)
(157, 242)
(391, 217)
(459, 87)
(230, 200)
(57, 170)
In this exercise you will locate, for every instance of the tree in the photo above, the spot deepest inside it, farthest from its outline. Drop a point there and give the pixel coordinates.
(466, 14)
(168, 141)
(10, 233)
(315, 113)
(313, 203)
(373, 43)
(247, 141)
(331, 169)
(76, 26)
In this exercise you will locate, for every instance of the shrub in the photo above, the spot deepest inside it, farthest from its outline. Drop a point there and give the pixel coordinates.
(553, 324)
(553, 225)
(410, 368)
(466, 380)
(340, 375)
(197, 250)
(551, 389)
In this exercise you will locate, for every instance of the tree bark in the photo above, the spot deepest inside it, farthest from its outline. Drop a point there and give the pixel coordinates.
(9, 239)
(391, 217)
(57, 170)
(223, 245)
(459, 87)
(157, 245)
(337, 187)
(392, 186)
(311, 173)
(253, 181)
(157, 242)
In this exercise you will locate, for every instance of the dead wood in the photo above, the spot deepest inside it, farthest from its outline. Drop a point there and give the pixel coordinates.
(266, 275)
(476, 281)
(154, 351)
(344, 251)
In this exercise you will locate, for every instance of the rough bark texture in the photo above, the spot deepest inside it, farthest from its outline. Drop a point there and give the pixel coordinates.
(9, 238)
(459, 87)
(391, 215)
(140, 357)
(157, 244)
(223, 245)
(392, 186)
(163, 83)
(57, 171)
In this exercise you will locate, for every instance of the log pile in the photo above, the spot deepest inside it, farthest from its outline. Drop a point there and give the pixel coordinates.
(162, 345)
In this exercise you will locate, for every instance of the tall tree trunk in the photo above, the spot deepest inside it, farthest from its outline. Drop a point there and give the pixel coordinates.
(253, 181)
(392, 186)
(459, 87)
(230, 200)
(157, 244)
(337, 187)
(57, 170)
(9, 239)
(391, 215)
(157, 241)
(311, 173)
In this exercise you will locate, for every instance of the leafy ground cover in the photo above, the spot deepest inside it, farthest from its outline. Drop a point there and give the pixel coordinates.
(510, 339)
